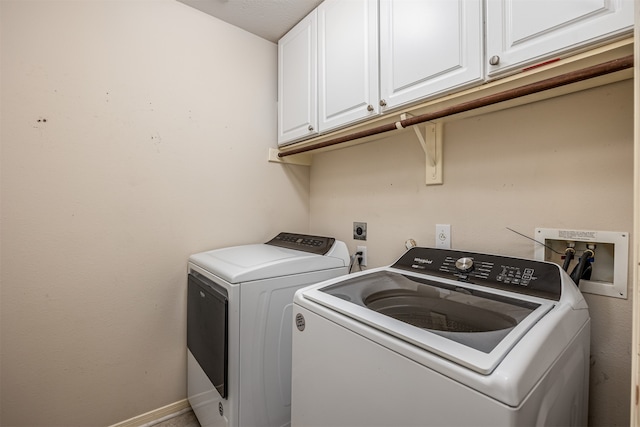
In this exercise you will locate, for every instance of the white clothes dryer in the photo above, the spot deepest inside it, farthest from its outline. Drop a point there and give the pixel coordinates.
(442, 338)
(239, 313)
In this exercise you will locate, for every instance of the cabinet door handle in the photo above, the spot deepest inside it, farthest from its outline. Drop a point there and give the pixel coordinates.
(494, 60)
(383, 103)
(310, 128)
(369, 107)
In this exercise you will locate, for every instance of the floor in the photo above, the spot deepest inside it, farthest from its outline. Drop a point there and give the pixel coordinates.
(188, 419)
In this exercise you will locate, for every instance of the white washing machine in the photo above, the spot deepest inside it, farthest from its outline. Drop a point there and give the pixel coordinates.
(239, 315)
(442, 338)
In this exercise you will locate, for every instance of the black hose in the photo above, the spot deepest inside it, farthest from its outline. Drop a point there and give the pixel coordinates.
(583, 267)
(569, 254)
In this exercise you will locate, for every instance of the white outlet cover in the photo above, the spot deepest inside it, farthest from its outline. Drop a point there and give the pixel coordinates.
(620, 240)
(443, 236)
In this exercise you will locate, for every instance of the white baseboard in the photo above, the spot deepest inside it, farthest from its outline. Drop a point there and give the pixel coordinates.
(157, 415)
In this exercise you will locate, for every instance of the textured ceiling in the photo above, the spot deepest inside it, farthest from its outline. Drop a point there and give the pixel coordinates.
(269, 19)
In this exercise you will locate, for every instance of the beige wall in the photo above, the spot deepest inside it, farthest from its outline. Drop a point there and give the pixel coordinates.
(158, 120)
(560, 163)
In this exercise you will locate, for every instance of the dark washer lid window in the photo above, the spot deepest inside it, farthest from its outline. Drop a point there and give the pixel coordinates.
(477, 319)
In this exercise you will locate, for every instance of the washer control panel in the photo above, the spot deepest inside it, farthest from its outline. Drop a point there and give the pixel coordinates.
(303, 242)
(537, 278)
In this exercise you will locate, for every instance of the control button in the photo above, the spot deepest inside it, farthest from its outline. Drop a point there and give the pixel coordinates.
(464, 264)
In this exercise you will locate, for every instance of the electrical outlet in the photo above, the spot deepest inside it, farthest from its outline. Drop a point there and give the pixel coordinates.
(362, 249)
(360, 230)
(443, 236)
(610, 262)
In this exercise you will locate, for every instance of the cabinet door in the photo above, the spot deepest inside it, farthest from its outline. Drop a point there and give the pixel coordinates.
(297, 82)
(347, 61)
(522, 33)
(428, 47)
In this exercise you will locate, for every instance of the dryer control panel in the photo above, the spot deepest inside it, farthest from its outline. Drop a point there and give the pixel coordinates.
(302, 242)
(541, 279)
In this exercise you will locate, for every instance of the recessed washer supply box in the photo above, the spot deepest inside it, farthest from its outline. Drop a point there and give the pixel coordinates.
(610, 265)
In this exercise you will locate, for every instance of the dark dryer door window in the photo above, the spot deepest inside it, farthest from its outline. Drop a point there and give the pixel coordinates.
(207, 326)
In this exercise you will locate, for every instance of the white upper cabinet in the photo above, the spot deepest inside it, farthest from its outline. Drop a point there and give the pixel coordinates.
(522, 33)
(347, 62)
(353, 59)
(428, 47)
(297, 82)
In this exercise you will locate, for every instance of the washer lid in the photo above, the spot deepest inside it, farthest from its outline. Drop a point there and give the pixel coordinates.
(465, 324)
(261, 261)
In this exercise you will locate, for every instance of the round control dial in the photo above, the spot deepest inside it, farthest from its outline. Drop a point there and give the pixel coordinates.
(464, 264)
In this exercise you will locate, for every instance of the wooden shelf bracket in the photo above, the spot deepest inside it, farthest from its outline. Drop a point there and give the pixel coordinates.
(431, 143)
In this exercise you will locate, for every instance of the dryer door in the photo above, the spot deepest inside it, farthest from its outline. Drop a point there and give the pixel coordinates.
(207, 329)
